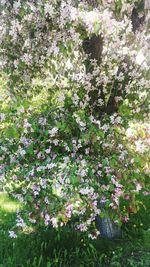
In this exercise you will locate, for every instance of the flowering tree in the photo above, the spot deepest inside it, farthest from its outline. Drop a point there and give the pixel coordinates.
(75, 161)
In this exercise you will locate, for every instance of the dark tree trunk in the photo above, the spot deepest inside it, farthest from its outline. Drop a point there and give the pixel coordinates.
(93, 47)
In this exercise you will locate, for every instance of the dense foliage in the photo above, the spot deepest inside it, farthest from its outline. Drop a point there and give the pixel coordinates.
(76, 155)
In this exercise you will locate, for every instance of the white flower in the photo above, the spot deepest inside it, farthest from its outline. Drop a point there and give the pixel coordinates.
(46, 200)
(22, 152)
(17, 5)
(53, 131)
(20, 222)
(55, 142)
(140, 58)
(32, 220)
(12, 234)
(61, 98)
(49, 10)
(129, 132)
(48, 150)
(54, 222)
(90, 18)
(3, 2)
(2, 117)
(138, 187)
(139, 146)
(50, 166)
(75, 99)
(42, 121)
(86, 191)
(73, 13)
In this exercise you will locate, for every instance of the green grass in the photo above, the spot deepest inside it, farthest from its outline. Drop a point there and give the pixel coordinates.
(47, 247)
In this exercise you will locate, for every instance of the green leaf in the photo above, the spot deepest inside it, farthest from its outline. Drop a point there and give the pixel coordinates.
(111, 187)
(101, 134)
(12, 132)
(48, 264)
(104, 162)
(97, 27)
(74, 180)
(30, 150)
(28, 198)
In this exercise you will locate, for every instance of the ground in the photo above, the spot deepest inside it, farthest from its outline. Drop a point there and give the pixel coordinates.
(67, 248)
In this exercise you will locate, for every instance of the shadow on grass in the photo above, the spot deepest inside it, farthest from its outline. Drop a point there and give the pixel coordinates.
(46, 247)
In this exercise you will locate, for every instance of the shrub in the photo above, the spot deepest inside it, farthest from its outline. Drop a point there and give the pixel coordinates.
(69, 161)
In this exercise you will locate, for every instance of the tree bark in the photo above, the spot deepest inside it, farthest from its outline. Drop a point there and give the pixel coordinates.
(93, 47)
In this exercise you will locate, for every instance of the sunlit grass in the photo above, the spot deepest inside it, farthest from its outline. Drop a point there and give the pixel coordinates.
(8, 208)
(8, 205)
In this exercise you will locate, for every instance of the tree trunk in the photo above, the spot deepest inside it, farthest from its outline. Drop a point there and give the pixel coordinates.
(107, 228)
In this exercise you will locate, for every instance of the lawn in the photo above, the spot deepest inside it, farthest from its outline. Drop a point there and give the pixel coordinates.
(65, 247)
